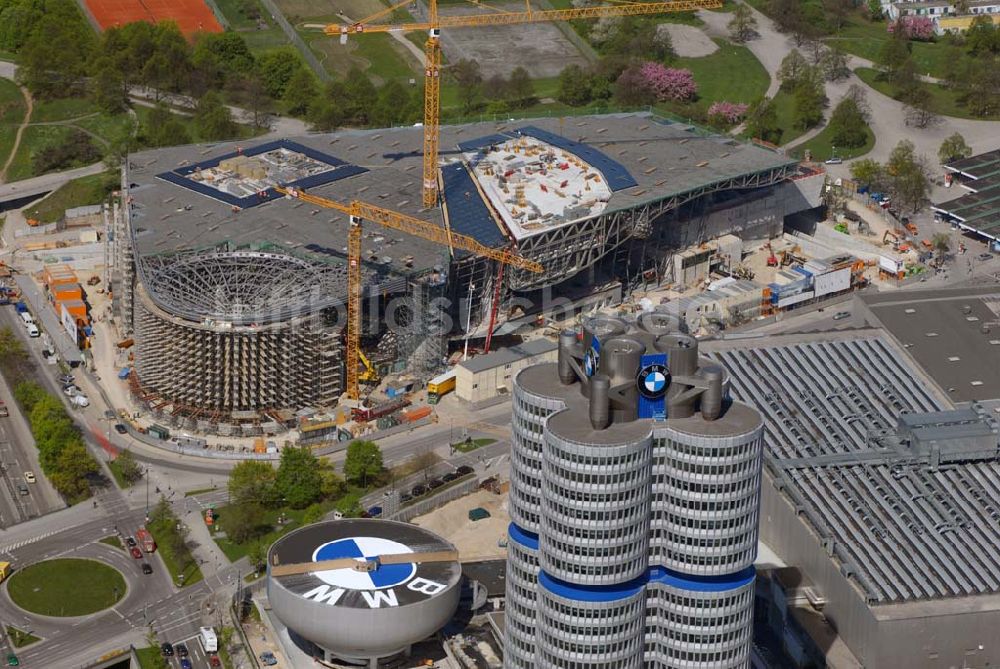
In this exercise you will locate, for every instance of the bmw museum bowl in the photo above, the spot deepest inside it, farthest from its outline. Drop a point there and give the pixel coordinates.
(392, 584)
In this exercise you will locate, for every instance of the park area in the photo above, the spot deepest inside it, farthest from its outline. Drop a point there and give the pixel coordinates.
(66, 587)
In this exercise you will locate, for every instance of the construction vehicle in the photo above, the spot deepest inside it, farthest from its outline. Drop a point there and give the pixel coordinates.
(496, 17)
(360, 211)
(440, 385)
(370, 374)
(910, 227)
(891, 237)
(772, 260)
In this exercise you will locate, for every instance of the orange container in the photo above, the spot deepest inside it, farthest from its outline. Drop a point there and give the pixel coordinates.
(58, 274)
(67, 292)
(416, 413)
(76, 308)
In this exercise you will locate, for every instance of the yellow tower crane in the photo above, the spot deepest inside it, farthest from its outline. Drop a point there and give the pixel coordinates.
(498, 17)
(360, 211)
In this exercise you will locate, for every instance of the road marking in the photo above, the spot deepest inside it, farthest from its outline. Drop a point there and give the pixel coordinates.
(22, 544)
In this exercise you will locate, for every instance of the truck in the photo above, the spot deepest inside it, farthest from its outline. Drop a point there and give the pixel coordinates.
(209, 641)
(440, 385)
(365, 414)
(145, 540)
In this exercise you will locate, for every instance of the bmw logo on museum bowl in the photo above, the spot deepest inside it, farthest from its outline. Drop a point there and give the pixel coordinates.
(364, 548)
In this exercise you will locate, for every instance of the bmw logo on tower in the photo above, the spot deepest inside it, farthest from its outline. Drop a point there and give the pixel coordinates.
(653, 380)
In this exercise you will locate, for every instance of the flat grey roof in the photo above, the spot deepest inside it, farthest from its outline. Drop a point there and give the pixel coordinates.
(830, 402)
(977, 208)
(505, 356)
(947, 342)
(665, 159)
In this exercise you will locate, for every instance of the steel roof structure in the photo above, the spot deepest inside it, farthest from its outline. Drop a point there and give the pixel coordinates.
(978, 210)
(901, 529)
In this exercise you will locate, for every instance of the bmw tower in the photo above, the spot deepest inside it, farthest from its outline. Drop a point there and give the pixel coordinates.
(635, 488)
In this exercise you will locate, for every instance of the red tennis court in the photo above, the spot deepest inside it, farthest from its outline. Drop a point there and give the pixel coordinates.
(190, 15)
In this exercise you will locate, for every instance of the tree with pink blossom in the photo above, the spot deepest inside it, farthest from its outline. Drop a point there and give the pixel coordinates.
(727, 112)
(914, 27)
(668, 83)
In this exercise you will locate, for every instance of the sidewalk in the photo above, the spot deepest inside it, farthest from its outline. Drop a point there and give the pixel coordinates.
(210, 558)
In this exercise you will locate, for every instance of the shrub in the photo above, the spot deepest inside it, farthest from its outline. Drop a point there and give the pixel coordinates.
(728, 112)
(668, 83)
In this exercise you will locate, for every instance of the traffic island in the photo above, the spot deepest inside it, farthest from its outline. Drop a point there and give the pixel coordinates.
(66, 587)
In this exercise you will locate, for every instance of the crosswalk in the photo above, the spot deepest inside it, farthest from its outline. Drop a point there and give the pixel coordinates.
(20, 544)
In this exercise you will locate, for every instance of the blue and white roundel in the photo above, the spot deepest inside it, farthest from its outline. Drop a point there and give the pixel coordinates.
(589, 363)
(655, 382)
(386, 576)
(652, 381)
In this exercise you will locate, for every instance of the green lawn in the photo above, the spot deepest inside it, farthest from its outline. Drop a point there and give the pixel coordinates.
(43, 587)
(820, 147)
(117, 473)
(149, 657)
(466, 447)
(380, 56)
(192, 574)
(20, 638)
(865, 39)
(257, 39)
(944, 101)
(76, 193)
(112, 541)
(732, 73)
(199, 491)
(62, 109)
(234, 551)
(12, 110)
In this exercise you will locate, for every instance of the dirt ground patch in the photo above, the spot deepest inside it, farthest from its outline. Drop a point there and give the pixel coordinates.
(689, 41)
(474, 540)
(540, 48)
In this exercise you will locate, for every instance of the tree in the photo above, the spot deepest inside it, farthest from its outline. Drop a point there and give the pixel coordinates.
(762, 121)
(227, 50)
(908, 180)
(574, 86)
(73, 469)
(243, 522)
(257, 555)
(359, 97)
(917, 111)
(392, 105)
(298, 479)
(314, 513)
(668, 83)
(469, 79)
(952, 148)
(893, 55)
(520, 91)
(162, 512)
(632, 89)
(847, 125)
(212, 119)
(941, 242)
(277, 68)
(249, 92)
(833, 63)
(875, 10)
(10, 345)
(252, 482)
(743, 26)
(808, 100)
(54, 58)
(363, 462)
(792, 69)
(837, 11)
(331, 484)
(859, 96)
(868, 172)
(107, 88)
(163, 128)
(128, 467)
(300, 92)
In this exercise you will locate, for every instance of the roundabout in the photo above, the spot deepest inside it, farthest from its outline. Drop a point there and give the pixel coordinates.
(66, 587)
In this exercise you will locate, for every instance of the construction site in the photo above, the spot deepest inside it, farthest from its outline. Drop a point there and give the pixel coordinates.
(235, 292)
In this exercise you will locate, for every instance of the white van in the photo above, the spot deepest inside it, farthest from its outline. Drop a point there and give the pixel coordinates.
(32, 330)
(26, 317)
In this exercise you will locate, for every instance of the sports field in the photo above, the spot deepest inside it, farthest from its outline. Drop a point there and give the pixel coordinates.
(190, 15)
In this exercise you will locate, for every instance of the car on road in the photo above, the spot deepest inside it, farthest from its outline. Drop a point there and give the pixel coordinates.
(166, 649)
(21, 488)
(834, 161)
(120, 429)
(986, 256)
(29, 477)
(185, 663)
(464, 470)
(130, 542)
(135, 552)
(374, 512)
(182, 650)
(66, 379)
(214, 661)
(268, 658)
(70, 390)
(4, 412)
(840, 315)
(146, 569)
(12, 661)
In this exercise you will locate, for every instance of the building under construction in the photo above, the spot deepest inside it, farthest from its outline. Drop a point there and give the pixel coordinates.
(235, 294)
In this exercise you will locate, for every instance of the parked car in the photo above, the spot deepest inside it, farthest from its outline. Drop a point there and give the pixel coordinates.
(464, 470)
(405, 497)
(374, 512)
(66, 379)
(120, 429)
(435, 483)
(166, 649)
(986, 256)
(12, 661)
(21, 488)
(214, 661)
(840, 315)
(185, 663)
(29, 477)
(135, 552)
(146, 569)
(834, 161)
(418, 490)
(70, 390)
(80, 400)
(182, 650)
(268, 658)
(449, 477)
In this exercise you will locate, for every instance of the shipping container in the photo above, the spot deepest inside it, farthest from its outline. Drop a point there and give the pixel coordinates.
(159, 432)
(833, 282)
(415, 413)
(795, 299)
(67, 292)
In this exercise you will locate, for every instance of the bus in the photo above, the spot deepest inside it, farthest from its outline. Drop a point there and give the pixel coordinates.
(440, 385)
(210, 642)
